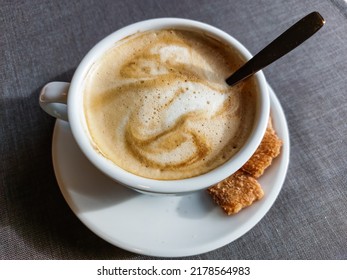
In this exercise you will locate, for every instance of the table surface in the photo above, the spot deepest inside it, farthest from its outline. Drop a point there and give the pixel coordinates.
(44, 41)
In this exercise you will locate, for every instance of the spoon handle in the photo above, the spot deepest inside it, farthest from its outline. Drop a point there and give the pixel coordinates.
(287, 41)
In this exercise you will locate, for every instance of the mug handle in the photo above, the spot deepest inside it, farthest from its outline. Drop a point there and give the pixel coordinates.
(53, 99)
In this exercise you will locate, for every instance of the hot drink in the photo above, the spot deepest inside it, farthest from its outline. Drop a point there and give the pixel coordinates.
(157, 104)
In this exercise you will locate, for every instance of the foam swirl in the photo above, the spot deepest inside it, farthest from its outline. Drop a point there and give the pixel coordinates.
(157, 105)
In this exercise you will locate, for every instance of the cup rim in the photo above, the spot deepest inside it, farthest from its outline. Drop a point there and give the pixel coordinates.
(147, 185)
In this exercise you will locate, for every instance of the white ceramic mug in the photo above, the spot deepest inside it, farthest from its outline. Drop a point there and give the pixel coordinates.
(65, 101)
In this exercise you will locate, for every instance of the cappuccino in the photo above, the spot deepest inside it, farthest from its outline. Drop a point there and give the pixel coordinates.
(157, 105)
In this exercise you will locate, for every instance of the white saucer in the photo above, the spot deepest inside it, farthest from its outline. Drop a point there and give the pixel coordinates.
(158, 226)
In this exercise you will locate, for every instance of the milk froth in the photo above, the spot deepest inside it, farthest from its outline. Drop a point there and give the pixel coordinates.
(157, 104)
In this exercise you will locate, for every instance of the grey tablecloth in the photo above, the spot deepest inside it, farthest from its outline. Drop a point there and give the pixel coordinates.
(42, 41)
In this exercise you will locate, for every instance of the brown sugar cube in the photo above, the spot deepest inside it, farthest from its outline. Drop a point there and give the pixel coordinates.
(268, 149)
(236, 192)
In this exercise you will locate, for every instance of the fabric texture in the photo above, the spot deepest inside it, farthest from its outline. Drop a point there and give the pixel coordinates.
(43, 41)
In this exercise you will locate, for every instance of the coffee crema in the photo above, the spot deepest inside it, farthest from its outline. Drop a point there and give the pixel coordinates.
(157, 105)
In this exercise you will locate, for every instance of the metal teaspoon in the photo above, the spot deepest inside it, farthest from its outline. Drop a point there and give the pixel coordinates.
(287, 41)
